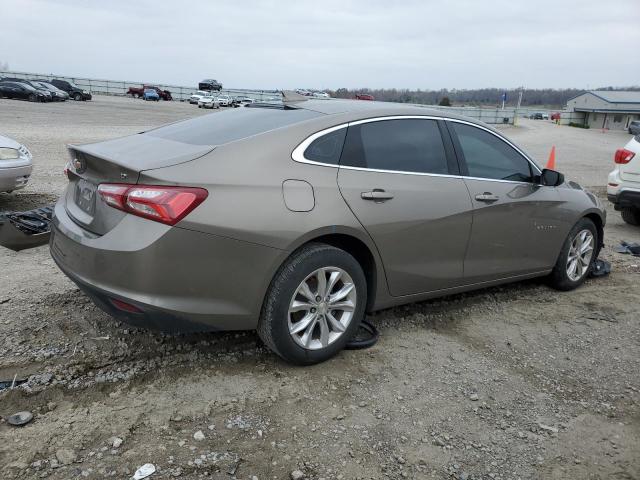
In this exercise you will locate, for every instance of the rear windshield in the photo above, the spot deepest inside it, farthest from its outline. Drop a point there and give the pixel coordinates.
(225, 127)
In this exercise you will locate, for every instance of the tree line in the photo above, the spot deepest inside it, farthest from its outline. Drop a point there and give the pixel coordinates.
(550, 97)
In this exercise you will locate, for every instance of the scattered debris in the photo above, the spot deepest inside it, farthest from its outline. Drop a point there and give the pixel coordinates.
(12, 383)
(115, 442)
(144, 471)
(474, 397)
(548, 428)
(199, 436)
(19, 419)
(20, 230)
(628, 248)
(601, 268)
(297, 475)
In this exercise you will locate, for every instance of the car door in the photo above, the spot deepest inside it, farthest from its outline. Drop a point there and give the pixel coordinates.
(400, 178)
(516, 221)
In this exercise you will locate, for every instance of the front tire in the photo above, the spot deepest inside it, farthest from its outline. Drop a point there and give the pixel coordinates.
(631, 215)
(314, 304)
(579, 251)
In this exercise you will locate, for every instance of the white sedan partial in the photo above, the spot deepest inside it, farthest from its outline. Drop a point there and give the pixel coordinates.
(209, 101)
(15, 165)
(195, 98)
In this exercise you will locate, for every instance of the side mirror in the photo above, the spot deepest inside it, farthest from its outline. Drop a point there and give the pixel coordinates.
(551, 178)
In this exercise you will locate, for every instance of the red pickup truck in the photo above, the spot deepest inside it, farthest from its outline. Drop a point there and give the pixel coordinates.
(138, 91)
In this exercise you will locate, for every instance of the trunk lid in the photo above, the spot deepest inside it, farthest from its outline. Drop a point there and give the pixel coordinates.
(116, 161)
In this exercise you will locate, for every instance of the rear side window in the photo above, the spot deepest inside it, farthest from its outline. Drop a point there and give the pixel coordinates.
(487, 156)
(327, 148)
(404, 145)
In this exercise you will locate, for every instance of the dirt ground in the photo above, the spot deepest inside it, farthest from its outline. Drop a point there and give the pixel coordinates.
(514, 382)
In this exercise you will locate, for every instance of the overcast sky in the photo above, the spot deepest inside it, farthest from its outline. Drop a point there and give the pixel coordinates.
(427, 44)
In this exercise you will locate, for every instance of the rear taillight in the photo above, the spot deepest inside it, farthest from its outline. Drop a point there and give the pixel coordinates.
(156, 202)
(623, 156)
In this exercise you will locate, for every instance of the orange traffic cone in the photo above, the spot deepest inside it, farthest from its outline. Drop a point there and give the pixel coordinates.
(551, 163)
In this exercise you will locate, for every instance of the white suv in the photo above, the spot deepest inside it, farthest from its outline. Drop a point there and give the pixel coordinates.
(623, 187)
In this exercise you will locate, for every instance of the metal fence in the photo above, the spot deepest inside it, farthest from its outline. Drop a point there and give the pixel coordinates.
(487, 115)
(508, 115)
(121, 87)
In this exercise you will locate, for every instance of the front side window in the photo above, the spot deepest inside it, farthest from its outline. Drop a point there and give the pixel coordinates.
(404, 145)
(488, 156)
(327, 148)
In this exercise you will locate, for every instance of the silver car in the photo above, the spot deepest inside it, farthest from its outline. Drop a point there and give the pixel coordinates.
(15, 165)
(298, 218)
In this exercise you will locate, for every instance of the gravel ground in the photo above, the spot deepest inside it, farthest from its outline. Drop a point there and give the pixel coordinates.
(513, 382)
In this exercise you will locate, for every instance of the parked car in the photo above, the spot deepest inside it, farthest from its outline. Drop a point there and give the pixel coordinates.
(623, 186)
(193, 99)
(634, 127)
(71, 88)
(49, 96)
(321, 95)
(208, 101)
(537, 116)
(22, 91)
(139, 92)
(56, 93)
(150, 94)
(15, 165)
(210, 85)
(364, 96)
(298, 220)
(225, 100)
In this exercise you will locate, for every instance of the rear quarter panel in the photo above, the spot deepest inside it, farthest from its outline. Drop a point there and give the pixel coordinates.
(244, 180)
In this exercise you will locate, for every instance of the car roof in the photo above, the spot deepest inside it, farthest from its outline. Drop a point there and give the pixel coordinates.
(361, 109)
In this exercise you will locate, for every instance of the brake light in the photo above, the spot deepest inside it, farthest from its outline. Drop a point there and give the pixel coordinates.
(623, 156)
(156, 202)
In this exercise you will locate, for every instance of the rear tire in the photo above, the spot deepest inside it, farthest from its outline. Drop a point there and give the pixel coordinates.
(581, 245)
(286, 309)
(631, 215)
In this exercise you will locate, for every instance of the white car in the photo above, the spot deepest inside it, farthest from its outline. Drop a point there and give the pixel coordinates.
(225, 100)
(208, 101)
(321, 94)
(195, 98)
(15, 165)
(623, 186)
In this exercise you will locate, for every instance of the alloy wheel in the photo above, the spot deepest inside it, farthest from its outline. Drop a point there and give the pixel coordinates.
(580, 255)
(322, 308)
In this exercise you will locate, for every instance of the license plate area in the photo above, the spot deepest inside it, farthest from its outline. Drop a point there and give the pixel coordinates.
(85, 196)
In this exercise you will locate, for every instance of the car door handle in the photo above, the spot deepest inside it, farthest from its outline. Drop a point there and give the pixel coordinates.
(377, 195)
(487, 197)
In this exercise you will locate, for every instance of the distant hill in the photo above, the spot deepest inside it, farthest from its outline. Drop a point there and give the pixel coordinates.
(549, 97)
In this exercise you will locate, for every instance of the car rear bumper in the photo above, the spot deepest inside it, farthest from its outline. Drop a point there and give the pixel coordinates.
(625, 199)
(176, 279)
(14, 178)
